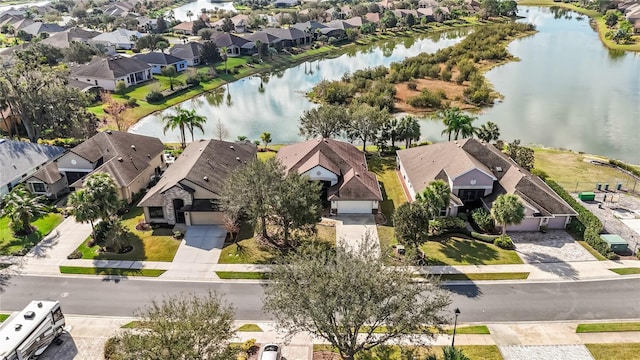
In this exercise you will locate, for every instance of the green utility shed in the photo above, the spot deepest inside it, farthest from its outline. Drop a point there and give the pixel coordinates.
(616, 243)
(587, 196)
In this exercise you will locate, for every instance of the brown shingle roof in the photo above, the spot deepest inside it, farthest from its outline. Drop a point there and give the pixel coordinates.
(213, 159)
(48, 174)
(110, 68)
(356, 182)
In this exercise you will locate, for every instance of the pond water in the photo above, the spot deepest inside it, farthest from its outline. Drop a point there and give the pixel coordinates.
(195, 7)
(567, 91)
(18, 6)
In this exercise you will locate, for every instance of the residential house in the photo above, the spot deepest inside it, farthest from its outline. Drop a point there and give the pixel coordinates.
(341, 168)
(290, 37)
(38, 28)
(49, 181)
(20, 159)
(122, 39)
(159, 60)
(131, 160)
(105, 72)
(8, 55)
(422, 4)
(234, 44)
(146, 24)
(189, 52)
(63, 39)
(189, 192)
(373, 17)
(185, 28)
(240, 23)
(118, 9)
(477, 174)
(285, 3)
(264, 38)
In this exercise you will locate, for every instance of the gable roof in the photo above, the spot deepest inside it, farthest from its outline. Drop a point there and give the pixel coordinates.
(185, 26)
(20, 157)
(37, 28)
(287, 34)
(226, 39)
(189, 50)
(157, 58)
(48, 174)
(423, 164)
(110, 67)
(355, 181)
(124, 155)
(206, 163)
(119, 36)
(263, 37)
(64, 38)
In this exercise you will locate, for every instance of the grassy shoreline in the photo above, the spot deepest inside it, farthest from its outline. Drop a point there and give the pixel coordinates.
(595, 16)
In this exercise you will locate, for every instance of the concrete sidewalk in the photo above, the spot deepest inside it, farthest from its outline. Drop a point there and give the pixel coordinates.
(88, 334)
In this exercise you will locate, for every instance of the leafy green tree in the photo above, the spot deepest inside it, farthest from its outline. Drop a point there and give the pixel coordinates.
(227, 25)
(410, 21)
(389, 20)
(352, 300)
(79, 52)
(205, 33)
(116, 237)
(483, 219)
(40, 54)
(611, 19)
(523, 156)
(197, 25)
(435, 197)
(391, 131)
(266, 139)
(507, 210)
(161, 25)
(411, 222)
(121, 87)
(162, 46)
(296, 205)
(508, 8)
(621, 36)
(150, 42)
(368, 28)
(456, 122)
(365, 123)
(84, 209)
(22, 207)
(326, 121)
(102, 191)
(408, 130)
(171, 72)
(489, 132)
(210, 53)
(185, 326)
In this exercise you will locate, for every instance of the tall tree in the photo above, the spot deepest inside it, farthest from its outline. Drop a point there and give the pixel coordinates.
(365, 123)
(391, 131)
(161, 25)
(84, 209)
(326, 121)
(352, 300)
(114, 109)
(179, 120)
(522, 155)
(456, 122)
(489, 132)
(194, 121)
(411, 222)
(507, 210)
(189, 14)
(150, 42)
(21, 207)
(227, 25)
(210, 53)
(184, 326)
(172, 74)
(296, 205)
(102, 191)
(221, 131)
(435, 197)
(79, 52)
(409, 130)
(266, 139)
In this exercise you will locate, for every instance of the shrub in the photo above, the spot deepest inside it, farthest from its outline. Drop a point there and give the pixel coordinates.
(111, 348)
(447, 224)
(504, 243)
(426, 99)
(632, 169)
(154, 97)
(75, 255)
(412, 85)
(612, 256)
(193, 80)
(446, 75)
(540, 173)
(484, 237)
(100, 232)
(483, 219)
(132, 102)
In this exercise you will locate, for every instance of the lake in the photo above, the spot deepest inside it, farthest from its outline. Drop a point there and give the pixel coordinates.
(567, 91)
(18, 6)
(195, 7)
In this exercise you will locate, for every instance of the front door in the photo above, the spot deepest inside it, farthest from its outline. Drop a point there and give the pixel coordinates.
(177, 205)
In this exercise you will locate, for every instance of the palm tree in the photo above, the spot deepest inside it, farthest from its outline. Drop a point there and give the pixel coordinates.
(225, 57)
(84, 209)
(177, 121)
(266, 139)
(489, 132)
(456, 122)
(195, 121)
(102, 191)
(435, 197)
(507, 210)
(189, 15)
(409, 130)
(21, 207)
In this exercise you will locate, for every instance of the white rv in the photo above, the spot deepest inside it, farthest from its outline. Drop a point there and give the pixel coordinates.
(27, 334)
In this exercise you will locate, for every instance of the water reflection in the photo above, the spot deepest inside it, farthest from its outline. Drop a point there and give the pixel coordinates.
(196, 7)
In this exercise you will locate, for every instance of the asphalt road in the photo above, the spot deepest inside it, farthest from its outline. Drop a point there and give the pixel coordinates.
(584, 300)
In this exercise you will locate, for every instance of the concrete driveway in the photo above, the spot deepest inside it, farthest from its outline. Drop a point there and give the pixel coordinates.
(553, 247)
(199, 250)
(354, 231)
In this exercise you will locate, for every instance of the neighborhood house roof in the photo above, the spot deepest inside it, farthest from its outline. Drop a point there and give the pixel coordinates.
(451, 159)
(157, 58)
(19, 157)
(355, 182)
(64, 39)
(124, 155)
(48, 174)
(206, 163)
(263, 37)
(226, 39)
(119, 36)
(110, 68)
(37, 28)
(189, 50)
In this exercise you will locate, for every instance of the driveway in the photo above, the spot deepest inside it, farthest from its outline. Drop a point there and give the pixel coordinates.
(356, 231)
(198, 252)
(552, 247)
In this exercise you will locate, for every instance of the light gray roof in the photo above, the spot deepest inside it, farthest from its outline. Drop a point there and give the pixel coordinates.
(20, 157)
(157, 58)
(64, 38)
(110, 68)
(119, 36)
(189, 50)
(37, 28)
(206, 163)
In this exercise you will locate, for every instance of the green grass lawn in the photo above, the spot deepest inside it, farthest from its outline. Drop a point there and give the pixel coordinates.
(135, 324)
(250, 328)
(626, 271)
(460, 251)
(151, 245)
(626, 351)
(250, 252)
(10, 243)
(471, 330)
(392, 194)
(574, 174)
(241, 275)
(394, 352)
(4, 317)
(485, 276)
(110, 271)
(591, 250)
(608, 327)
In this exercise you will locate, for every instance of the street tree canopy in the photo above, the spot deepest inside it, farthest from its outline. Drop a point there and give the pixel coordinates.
(180, 327)
(326, 120)
(351, 300)
(507, 210)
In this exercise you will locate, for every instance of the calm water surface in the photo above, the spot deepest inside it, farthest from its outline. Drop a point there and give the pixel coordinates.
(195, 7)
(567, 91)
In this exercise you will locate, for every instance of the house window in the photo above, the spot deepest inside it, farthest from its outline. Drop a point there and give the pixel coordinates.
(38, 187)
(443, 212)
(156, 212)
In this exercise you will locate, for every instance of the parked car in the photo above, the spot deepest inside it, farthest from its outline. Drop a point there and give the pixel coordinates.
(270, 352)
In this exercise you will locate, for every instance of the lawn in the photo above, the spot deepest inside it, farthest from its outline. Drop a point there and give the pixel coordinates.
(151, 245)
(591, 250)
(250, 252)
(4, 317)
(250, 328)
(626, 271)
(485, 276)
(460, 251)
(570, 170)
(241, 275)
(615, 351)
(110, 271)
(608, 327)
(471, 330)
(10, 244)
(394, 352)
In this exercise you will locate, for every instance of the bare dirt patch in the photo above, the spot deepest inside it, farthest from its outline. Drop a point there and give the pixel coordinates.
(325, 355)
(452, 91)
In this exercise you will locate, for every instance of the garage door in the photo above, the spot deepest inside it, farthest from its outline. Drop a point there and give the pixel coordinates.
(354, 207)
(528, 224)
(206, 218)
(557, 222)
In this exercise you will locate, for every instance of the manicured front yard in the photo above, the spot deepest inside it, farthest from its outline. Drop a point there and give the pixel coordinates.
(485, 276)
(608, 327)
(10, 244)
(626, 271)
(460, 251)
(80, 270)
(393, 352)
(241, 275)
(4, 317)
(626, 351)
(250, 328)
(250, 252)
(471, 330)
(151, 245)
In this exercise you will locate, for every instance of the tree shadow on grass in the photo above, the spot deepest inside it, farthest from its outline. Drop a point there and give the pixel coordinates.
(387, 207)
(20, 245)
(469, 251)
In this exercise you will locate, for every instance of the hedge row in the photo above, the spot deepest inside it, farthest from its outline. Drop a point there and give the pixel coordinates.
(484, 237)
(587, 224)
(632, 169)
